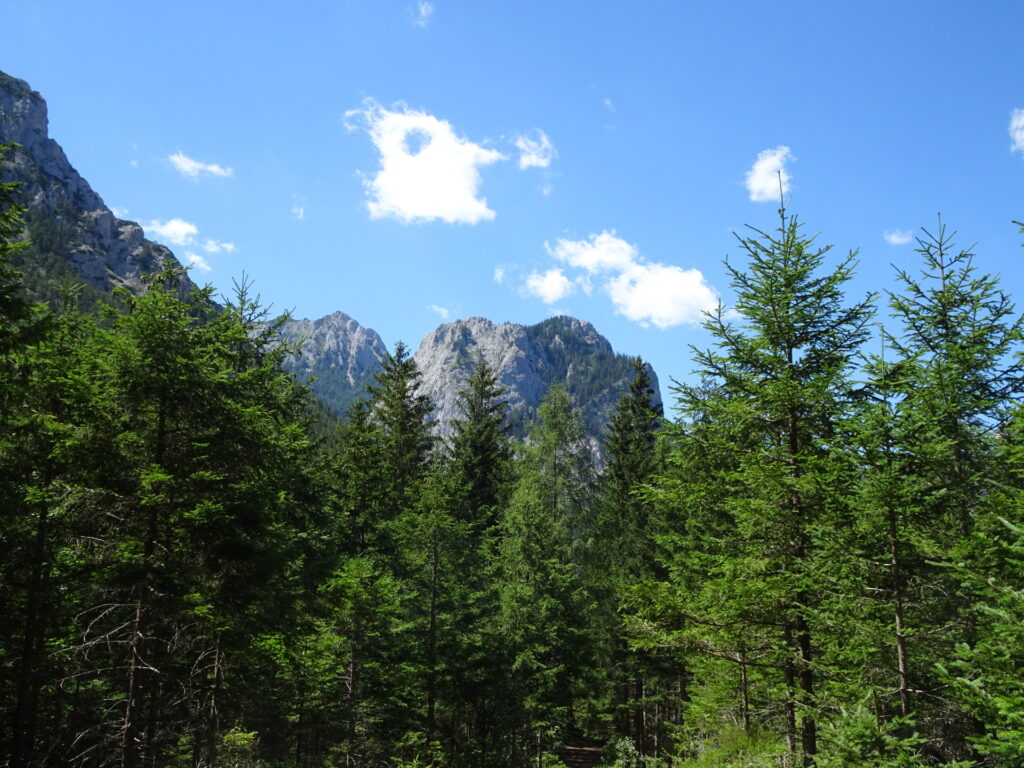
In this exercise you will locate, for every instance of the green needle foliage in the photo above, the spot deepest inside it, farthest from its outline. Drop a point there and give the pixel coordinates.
(818, 561)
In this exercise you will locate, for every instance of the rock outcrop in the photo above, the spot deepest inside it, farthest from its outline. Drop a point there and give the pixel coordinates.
(69, 226)
(338, 355)
(527, 360)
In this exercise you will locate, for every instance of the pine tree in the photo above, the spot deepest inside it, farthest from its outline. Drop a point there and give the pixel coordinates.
(401, 415)
(479, 448)
(478, 470)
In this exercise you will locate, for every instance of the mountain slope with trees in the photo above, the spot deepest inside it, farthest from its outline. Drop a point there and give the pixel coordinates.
(817, 560)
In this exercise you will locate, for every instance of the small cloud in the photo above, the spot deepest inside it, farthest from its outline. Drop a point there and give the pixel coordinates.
(175, 231)
(215, 246)
(422, 13)
(644, 291)
(193, 169)
(662, 294)
(599, 253)
(537, 152)
(499, 274)
(763, 177)
(609, 105)
(898, 236)
(298, 207)
(133, 163)
(444, 312)
(118, 212)
(198, 261)
(427, 171)
(1017, 130)
(549, 287)
(547, 188)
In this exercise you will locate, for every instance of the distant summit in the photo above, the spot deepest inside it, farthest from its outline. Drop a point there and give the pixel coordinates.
(344, 356)
(337, 355)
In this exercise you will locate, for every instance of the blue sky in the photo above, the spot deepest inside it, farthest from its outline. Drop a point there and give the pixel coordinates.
(392, 159)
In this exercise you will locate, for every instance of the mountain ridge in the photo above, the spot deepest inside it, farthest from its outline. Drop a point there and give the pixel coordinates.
(73, 233)
(339, 358)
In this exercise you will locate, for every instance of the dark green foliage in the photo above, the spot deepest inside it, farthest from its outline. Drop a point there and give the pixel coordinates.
(200, 566)
(772, 487)
(585, 370)
(546, 538)
(400, 414)
(480, 450)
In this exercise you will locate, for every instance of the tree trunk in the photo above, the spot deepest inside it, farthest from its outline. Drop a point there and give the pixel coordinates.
(27, 707)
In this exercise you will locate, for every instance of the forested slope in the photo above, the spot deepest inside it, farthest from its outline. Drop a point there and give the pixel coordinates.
(817, 560)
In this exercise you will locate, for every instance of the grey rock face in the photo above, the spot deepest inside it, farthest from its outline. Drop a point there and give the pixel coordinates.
(447, 356)
(338, 354)
(73, 220)
(340, 357)
(527, 360)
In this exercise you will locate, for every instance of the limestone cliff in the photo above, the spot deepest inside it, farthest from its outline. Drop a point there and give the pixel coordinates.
(70, 229)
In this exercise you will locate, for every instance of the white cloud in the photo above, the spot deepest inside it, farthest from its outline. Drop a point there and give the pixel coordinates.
(662, 294)
(175, 231)
(1017, 130)
(198, 261)
(298, 206)
(133, 163)
(444, 312)
(194, 169)
(427, 172)
(499, 274)
(422, 13)
(550, 286)
(535, 152)
(609, 105)
(898, 236)
(215, 246)
(644, 291)
(599, 253)
(118, 212)
(763, 177)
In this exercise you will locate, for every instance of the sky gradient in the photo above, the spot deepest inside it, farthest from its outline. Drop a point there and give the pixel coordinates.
(411, 162)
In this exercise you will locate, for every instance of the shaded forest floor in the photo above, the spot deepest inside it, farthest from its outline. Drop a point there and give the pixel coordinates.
(581, 752)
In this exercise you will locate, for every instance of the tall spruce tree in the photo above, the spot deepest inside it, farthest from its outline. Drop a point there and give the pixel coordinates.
(957, 347)
(781, 392)
(624, 557)
(401, 414)
(479, 448)
(546, 609)
(478, 468)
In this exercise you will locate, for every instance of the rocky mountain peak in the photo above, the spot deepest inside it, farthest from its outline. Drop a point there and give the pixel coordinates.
(337, 354)
(70, 228)
(528, 360)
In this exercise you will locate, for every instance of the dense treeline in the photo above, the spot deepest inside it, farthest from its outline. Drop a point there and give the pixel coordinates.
(818, 561)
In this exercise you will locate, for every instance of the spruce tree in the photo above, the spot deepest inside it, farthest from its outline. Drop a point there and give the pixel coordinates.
(959, 374)
(777, 395)
(545, 606)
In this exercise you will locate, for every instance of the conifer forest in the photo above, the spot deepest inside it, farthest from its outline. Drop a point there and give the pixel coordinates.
(814, 557)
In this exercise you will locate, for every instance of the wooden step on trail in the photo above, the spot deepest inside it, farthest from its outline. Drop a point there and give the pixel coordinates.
(581, 752)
